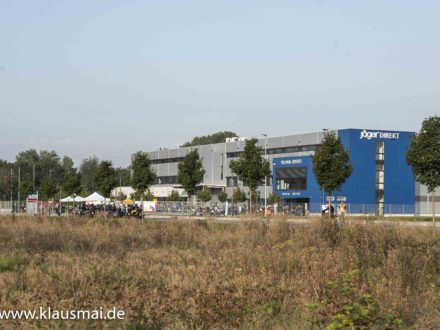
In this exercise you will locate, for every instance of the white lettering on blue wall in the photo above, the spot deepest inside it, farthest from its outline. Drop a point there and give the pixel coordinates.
(379, 135)
(291, 161)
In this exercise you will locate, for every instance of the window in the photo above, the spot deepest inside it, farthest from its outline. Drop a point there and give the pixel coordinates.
(231, 181)
(291, 178)
(233, 154)
(166, 179)
(167, 160)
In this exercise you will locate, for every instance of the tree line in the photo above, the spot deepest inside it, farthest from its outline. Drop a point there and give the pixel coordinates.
(49, 174)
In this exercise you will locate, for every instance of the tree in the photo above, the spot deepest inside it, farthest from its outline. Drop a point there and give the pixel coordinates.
(67, 164)
(143, 174)
(5, 179)
(174, 196)
(209, 139)
(190, 173)
(222, 197)
(48, 188)
(123, 176)
(204, 195)
(72, 182)
(26, 185)
(105, 178)
(50, 165)
(239, 196)
(251, 167)
(331, 164)
(121, 196)
(87, 170)
(273, 199)
(424, 156)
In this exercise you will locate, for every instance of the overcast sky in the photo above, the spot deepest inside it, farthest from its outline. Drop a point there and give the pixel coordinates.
(110, 77)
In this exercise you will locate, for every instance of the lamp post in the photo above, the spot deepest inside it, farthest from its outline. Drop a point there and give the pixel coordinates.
(265, 177)
(59, 203)
(325, 130)
(11, 191)
(212, 167)
(51, 202)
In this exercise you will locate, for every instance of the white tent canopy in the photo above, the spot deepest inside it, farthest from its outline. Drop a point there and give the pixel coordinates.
(71, 199)
(96, 198)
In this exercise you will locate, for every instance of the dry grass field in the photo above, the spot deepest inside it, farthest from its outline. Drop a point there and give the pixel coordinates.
(201, 275)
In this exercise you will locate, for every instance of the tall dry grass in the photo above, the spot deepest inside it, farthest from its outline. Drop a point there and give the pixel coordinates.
(203, 275)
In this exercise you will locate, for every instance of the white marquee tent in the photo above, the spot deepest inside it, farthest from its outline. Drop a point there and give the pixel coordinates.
(71, 199)
(96, 198)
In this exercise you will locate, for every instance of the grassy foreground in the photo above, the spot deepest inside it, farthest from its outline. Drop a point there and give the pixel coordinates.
(203, 275)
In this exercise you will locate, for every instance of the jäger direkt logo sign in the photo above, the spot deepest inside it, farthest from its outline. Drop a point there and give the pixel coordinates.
(378, 135)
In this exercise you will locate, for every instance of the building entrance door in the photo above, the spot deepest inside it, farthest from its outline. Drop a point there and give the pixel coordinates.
(296, 206)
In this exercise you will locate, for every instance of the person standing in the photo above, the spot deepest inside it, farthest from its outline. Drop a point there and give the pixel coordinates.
(342, 209)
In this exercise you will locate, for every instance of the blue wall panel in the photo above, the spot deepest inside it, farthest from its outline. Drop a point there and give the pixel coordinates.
(360, 187)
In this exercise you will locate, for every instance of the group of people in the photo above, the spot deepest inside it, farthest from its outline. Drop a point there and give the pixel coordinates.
(342, 210)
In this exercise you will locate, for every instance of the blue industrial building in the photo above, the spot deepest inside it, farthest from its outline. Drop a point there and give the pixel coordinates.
(381, 180)
(381, 183)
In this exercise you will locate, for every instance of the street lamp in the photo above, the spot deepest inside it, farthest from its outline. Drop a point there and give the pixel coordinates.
(325, 130)
(51, 202)
(265, 176)
(212, 167)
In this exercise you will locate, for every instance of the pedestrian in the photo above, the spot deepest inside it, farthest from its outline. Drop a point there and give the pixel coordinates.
(342, 209)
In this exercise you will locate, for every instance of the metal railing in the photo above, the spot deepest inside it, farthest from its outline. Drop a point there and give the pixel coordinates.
(234, 209)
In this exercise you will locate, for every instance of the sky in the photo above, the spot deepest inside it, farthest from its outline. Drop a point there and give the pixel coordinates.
(109, 78)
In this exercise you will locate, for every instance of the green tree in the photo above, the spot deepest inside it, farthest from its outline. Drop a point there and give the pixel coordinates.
(26, 185)
(123, 176)
(121, 196)
(5, 180)
(48, 188)
(148, 195)
(251, 167)
(273, 198)
(43, 164)
(105, 178)
(190, 173)
(72, 182)
(174, 196)
(424, 156)
(239, 196)
(143, 174)
(204, 195)
(50, 165)
(87, 170)
(67, 164)
(331, 164)
(142, 196)
(222, 197)
(218, 137)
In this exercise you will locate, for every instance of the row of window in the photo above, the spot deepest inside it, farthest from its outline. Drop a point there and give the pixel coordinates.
(232, 181)
(167, 160)
(271, 151)
(276, 151)
(293, 183)
(172, 179)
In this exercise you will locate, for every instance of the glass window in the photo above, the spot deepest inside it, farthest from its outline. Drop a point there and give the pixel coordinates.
(231, 181)
(291, 178)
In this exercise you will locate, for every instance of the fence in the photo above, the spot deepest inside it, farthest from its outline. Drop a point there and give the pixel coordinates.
(293, 209)
(5, 207)
(233, 209)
